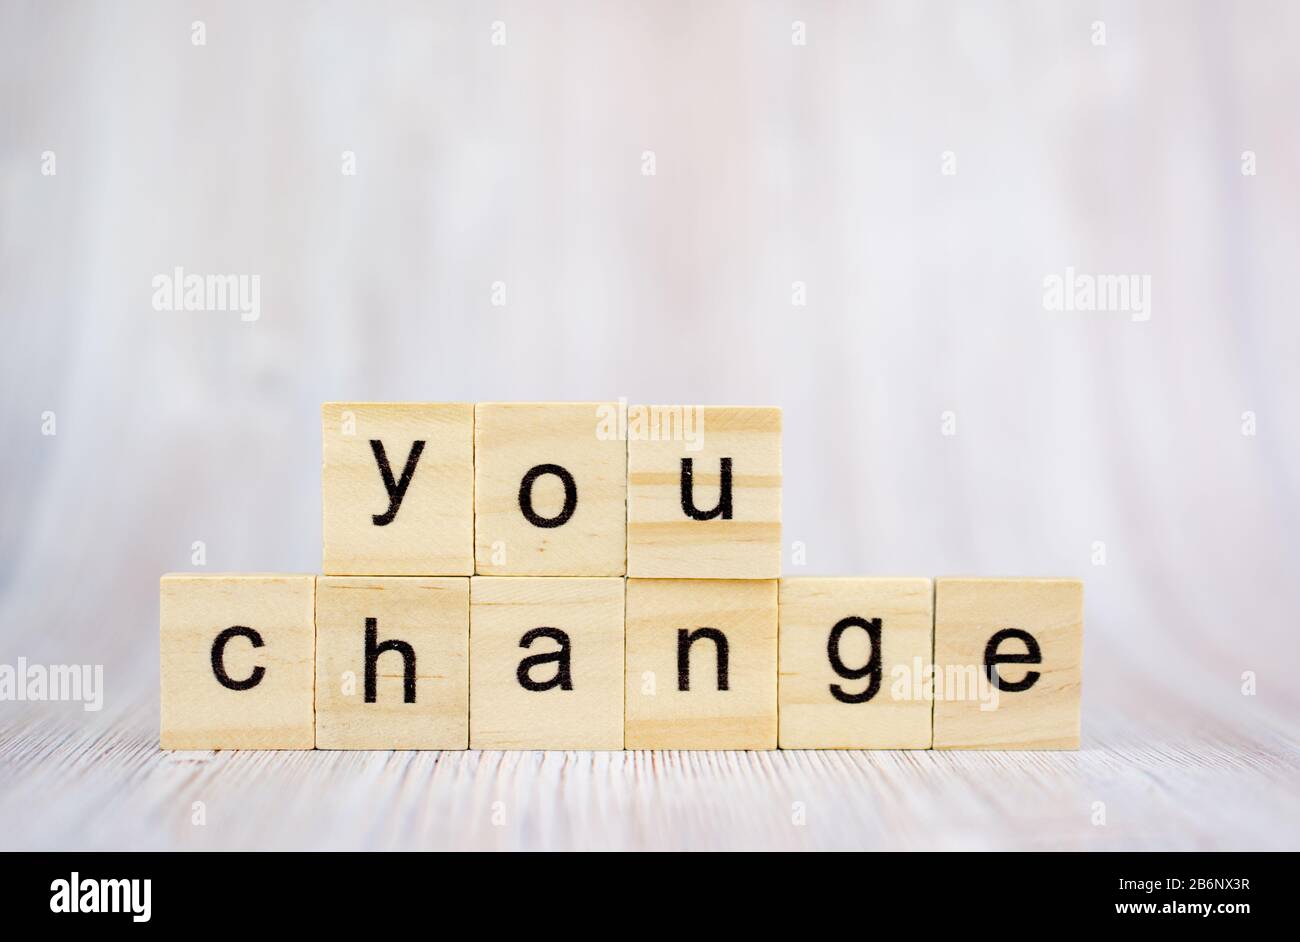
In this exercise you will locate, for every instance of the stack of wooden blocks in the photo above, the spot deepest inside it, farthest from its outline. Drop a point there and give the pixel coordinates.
(589, 576)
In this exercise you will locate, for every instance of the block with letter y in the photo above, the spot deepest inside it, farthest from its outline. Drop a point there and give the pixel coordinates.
(398, 488)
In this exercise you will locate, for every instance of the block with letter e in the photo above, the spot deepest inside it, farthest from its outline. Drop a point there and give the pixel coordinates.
(1008, 660)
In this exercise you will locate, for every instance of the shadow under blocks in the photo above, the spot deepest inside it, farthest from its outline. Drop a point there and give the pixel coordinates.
(559, 575)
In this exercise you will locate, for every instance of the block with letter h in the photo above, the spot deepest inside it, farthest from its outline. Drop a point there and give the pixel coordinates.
(589, 576)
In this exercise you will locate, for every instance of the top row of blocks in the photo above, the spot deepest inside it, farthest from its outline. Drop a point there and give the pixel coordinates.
(551, 489)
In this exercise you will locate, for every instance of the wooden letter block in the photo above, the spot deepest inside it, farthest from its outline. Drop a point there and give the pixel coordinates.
(1028, 633)
(704, 492)
(236, 657)
(398, 488)
(855, 663)
(701, 664)
(392, 662)
(550, 490)
(546, 663)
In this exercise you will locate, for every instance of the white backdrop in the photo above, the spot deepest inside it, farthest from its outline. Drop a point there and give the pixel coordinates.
(525, 163)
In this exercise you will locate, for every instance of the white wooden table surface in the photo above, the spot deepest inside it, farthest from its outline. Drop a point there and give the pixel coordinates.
(1199, 784)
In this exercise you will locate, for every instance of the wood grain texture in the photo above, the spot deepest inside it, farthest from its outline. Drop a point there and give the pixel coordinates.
(968, 612)
(662, 715)
(432, 531)
(81, 781)
(506, 715)
(662, 540)
(431, 615)
(511, 439)
(273, 654)
(896, 716)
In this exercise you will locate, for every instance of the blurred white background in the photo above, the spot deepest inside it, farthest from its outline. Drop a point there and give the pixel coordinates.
(775, 163)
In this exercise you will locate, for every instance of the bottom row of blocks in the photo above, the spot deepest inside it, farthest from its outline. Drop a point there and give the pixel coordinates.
(408, 662)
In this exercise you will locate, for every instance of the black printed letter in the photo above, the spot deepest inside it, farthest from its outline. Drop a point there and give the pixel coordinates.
(219, 654)
(684, 641)
(992, 659)
(374, 649)
(562, 678)
(526, 496)
(872, 668)
(396, 489)
(688, 492)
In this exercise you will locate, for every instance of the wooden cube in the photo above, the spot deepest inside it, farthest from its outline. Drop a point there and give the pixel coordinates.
(398, 488)
(855, 663)
(704, 492)
(236, 658)
(550, 490)
(546, 663)
(701, 664)
(392, 662)
(1027, 635)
